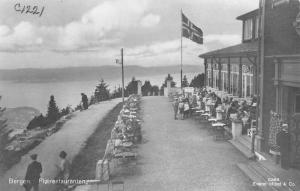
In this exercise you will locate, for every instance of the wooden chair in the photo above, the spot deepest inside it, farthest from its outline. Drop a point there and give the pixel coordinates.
(219, 130)
(117, 183)
(103, 183)
(252, 129)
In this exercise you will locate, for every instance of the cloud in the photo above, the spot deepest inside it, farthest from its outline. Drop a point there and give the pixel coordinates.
(97, 27)
(227, 39)
(164, 53)
(150, 20)
(23, 35)
(190, 47)
(154, 48)
(4, 30)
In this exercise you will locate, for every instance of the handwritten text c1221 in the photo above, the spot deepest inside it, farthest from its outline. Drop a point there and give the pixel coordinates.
(29, 9)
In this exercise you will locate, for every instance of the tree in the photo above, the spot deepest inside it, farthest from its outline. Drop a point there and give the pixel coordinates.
(2, 121)
(92, 100)
(117, 92)
(185, 82)
(131, 87)
(169, 78)
(65, 111)
(161, 90)
(198, 81)
(3, 132)
(53, 111)
(146, 88)
(155, 90)
(101, 92)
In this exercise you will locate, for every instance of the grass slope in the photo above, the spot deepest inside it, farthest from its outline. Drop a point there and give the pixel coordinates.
(84, 164)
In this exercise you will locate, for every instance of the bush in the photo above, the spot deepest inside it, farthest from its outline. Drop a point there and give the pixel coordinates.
(65, 111)
(39, 121)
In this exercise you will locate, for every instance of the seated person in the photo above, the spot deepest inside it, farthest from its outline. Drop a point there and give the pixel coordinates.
(232, 109)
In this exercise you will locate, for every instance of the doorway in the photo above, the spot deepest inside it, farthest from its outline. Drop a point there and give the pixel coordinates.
(294, 129)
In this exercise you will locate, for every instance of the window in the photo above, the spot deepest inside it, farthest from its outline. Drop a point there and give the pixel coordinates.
(248, 86)
(224, 77)
(247, 83)
(209, 77)
(297, 104)
(235, 79)
(224, 80)
(216, 76)
(244, 85)
(256, 27)
(248, 29)
(231, 84)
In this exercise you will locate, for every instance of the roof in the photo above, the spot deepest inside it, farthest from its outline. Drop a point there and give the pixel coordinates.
(244, 49)
(248, 15)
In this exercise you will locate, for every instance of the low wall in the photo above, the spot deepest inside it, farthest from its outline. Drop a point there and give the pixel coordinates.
(170, 92)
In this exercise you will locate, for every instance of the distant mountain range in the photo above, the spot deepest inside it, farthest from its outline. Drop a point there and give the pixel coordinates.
(89, 73)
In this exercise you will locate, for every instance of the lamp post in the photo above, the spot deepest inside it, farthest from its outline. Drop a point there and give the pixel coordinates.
(118, 62)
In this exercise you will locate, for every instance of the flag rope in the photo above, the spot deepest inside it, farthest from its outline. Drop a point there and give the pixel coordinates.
(181, 50)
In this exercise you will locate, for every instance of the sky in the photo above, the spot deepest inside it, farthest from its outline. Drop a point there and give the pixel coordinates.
(73, 33)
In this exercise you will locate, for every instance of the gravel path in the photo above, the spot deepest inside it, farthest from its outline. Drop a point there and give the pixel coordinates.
(70, 138)
(182, 155)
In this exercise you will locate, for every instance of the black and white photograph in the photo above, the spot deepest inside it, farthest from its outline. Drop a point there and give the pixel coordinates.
(149, 95)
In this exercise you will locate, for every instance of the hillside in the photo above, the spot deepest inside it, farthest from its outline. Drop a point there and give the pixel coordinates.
(88, 73)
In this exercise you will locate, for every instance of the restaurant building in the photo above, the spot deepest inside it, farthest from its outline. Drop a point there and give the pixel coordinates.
(233, 69)
(267, 64)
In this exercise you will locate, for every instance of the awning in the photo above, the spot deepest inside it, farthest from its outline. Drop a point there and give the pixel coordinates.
(240, 50)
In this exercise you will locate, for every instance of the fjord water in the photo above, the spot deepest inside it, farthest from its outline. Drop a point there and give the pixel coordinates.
(37, 95)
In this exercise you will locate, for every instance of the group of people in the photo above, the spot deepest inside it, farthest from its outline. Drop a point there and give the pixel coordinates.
(34, 170)
(240, 109)
(183, 106)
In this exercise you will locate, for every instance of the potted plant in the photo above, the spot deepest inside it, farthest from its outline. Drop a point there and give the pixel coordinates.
(236, 124)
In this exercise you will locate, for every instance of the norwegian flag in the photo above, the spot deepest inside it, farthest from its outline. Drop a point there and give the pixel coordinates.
(191, 31)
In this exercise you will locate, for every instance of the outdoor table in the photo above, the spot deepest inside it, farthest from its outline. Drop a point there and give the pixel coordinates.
(196, 111)
(213, 120)
(219, 127)
(120, 143)
(218, 124)
(206, 115)
(128, 155)
(129, 116)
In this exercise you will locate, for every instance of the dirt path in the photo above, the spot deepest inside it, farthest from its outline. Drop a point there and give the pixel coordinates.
(70, 138)
(181, 155)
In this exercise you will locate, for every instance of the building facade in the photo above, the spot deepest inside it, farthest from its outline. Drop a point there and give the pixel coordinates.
(233, 69)
(266, 64)
(280, 71)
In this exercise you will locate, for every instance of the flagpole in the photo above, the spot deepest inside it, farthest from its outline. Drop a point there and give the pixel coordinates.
(122, 62)
(181, 50)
